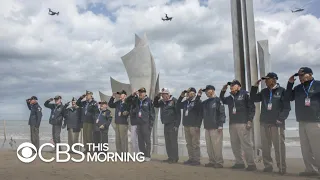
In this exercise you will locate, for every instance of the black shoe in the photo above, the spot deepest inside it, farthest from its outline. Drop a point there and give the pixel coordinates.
(268, 169)
(195, 163)
(251, 168)
(308, 174)
(209, 165)
(218, 166)
(282, 171)
(238, 166)
(187, 162)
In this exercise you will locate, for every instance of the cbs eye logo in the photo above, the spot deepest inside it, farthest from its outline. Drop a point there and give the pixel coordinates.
(27, 150)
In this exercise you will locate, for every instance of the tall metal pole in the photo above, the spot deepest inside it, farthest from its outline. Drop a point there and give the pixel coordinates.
(246, 43)
(253, 69)
(237, 36)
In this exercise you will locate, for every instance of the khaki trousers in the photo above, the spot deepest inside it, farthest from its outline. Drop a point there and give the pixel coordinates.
(121, 131)
(192, 136)
(240, 140)
(87, 134)
(34, 134)
(270, 136)
(214, 146)
(73, 137)
(309, 133)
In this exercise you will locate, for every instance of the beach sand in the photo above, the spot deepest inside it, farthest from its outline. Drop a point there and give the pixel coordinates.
(12, 169)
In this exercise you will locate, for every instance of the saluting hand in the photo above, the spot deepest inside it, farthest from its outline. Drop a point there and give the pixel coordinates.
(51, 99)
(225, 87)
(292, 79)
(183, 94)
(83, 96)
(257, 83)
(114, 95)
(200, 92)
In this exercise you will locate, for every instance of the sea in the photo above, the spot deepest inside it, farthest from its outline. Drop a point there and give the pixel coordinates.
(19, 132)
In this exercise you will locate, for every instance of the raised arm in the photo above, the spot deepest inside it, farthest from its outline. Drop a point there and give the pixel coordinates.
(79, 101)
(157, 103)
(289, 93)
(111, 103)
(222, 93)
(28, 104)
(255, 96)
(48, 105)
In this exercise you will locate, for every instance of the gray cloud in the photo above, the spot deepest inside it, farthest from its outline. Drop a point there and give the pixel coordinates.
(67, 54)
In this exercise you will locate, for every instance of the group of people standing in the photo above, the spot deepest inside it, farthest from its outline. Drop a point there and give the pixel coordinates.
(138, 109)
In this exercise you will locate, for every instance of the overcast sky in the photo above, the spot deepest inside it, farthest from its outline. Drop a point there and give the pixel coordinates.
(80, 49)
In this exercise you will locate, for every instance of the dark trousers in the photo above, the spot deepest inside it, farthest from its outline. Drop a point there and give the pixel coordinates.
(171, 140)
(144, 139)
(56, 130)
(100, 137)
(34, 132)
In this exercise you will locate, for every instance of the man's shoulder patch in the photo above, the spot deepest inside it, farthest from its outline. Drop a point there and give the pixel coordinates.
(39, 108)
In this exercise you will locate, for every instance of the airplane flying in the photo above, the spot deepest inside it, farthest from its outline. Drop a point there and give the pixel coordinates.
(297, 10)
(52, 13)
(167, 18)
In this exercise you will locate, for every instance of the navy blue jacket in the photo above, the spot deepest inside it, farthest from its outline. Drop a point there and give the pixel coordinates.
(105, 118)
(194, 118)
(35, 114)
(169, 111)
(298, 95)
(213, 113)
(280, 106)
(245, 108)
(89, 110)
(119, 107)
(147, 109)
(57, 113)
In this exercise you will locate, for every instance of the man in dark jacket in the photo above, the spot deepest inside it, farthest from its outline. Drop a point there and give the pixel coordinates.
(274, 111)
(241, 114)
(121, 120)
(72, 121)
(34, 119)
(192, 122)
(88, 117)
(306, 96)
(145, 115)
(102, 123)
(213, 114)
(56, 117)
(170, 117)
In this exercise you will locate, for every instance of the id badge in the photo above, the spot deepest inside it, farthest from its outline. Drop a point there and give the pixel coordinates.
(186, 113)
(139, 114)
(269, 106)
(97, 121)
(307, 102)
(119, 113)
(234, 110)
(52, 116)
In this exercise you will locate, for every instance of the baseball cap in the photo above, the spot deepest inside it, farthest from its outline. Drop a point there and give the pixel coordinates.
(192, 89)
(103, 102)
(89, 92)
(142, 90)
(122, 92)
(305, 70)
(33, 98)
(209, 87)
(270, 75)
(164, 91)
(57, 97)
(234, 82)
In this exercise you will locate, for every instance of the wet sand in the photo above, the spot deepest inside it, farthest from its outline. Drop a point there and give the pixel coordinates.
(12, 169)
